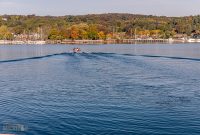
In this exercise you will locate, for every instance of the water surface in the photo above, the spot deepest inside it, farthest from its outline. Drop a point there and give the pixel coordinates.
(108, 89)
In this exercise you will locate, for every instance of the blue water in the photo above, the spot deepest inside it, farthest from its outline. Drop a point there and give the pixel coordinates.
(106, 90)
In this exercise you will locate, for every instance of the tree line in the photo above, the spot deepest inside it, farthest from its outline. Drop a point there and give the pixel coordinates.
(97, 26)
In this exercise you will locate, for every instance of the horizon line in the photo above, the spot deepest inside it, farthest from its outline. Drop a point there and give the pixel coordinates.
(95, 14)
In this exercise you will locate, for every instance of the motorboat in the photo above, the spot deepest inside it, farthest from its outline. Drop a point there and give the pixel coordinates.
(194, 39)
(76, 50)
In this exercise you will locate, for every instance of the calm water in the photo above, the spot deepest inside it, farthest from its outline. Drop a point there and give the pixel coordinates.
(108, 90)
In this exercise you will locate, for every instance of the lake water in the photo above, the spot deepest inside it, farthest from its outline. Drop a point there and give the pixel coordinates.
(107, 90)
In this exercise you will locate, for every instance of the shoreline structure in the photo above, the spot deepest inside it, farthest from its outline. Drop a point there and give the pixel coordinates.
(108, 41)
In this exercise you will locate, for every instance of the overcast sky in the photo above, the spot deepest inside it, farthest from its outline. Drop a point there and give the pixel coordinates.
(79, 7)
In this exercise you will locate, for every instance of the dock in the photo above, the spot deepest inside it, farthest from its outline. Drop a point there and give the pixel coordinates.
(97, 42)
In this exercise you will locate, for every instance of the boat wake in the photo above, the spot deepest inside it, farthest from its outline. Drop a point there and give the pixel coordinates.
(95, 54)
(31, 58)
(150, 56)
(171, 57)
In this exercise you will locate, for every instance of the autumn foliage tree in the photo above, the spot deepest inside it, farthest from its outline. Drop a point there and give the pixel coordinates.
(99, 26)
(74, 33)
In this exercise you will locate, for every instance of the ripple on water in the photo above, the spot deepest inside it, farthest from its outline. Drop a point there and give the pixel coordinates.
(101, 93)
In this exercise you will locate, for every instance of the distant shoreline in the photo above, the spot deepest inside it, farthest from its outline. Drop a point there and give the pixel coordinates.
(95, 42)
(98, 29)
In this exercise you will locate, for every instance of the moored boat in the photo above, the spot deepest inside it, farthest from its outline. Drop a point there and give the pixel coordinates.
(194, 39)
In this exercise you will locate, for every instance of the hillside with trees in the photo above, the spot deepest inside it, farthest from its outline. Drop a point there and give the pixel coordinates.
(96, 26)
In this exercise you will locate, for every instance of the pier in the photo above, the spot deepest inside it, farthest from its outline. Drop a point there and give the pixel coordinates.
(96, 42)
(110, 41)
(22, 42)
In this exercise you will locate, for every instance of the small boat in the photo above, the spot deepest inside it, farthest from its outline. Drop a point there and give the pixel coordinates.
(194, 39)
(76, 50)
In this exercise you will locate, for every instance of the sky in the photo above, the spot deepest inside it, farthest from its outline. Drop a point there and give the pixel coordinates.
(81, 7)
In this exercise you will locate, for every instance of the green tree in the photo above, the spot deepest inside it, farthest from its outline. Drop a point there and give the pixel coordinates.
(55, 35)
(5, 33)
(92, 32)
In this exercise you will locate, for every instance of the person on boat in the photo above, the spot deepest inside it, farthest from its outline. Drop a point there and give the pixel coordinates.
(76, 50)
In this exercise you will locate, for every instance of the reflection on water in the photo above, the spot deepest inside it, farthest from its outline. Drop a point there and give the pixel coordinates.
(109, 89)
